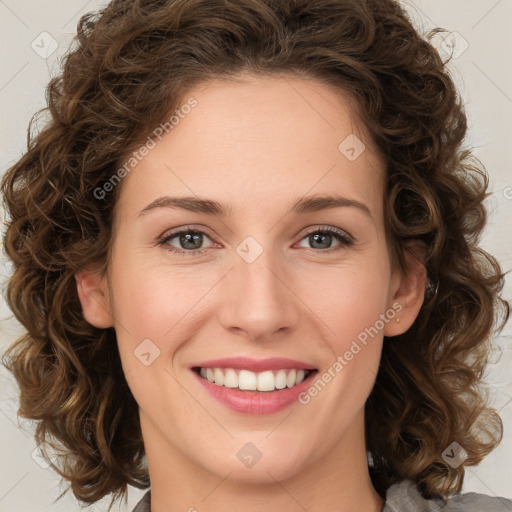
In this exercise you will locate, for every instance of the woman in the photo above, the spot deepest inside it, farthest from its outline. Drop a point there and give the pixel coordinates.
(245, 254)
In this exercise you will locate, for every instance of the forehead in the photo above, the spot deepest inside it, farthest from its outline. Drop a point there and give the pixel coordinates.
(263, 137)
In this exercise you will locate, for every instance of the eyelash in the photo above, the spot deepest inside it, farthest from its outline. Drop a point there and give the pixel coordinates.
(344, 239)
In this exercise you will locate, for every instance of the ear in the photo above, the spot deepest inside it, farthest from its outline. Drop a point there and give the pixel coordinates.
(407, 292)
(93, 294)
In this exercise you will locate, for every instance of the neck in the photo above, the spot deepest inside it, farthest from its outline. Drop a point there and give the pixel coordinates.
(338, 481)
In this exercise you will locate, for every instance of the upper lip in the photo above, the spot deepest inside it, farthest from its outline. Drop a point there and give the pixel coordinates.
(255, 365)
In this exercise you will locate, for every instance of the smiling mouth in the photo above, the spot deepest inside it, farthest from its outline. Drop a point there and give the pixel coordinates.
(246, 380)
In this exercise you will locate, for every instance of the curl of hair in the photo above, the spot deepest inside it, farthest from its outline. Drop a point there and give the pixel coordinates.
(132, 64)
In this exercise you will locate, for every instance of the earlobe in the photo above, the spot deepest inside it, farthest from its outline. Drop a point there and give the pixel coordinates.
(409, 295)
(93, 294)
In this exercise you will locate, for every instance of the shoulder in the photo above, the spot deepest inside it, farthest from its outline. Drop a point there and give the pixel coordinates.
(144, 505)
(404, 497)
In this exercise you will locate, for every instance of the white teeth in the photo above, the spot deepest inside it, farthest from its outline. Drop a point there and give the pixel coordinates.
(247, 380)
(290, 380)
(281, 379)
(266, 381)
(251, 381)
(231, 378)
(219, 377)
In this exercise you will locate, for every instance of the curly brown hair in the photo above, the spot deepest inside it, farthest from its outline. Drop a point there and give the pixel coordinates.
(132, 64)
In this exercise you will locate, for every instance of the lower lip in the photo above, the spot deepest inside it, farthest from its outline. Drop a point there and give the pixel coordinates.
(256, 402)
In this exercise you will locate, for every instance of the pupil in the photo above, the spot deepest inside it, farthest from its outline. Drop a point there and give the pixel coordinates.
(321, 239)
(196, 240)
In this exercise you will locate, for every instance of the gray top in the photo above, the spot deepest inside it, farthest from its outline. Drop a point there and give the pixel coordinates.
(405, 497)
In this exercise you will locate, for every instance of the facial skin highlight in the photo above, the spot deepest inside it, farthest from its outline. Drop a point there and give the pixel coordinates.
(255, 147)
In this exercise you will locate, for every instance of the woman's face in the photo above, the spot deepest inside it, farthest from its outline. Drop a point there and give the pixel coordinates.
(258, 283)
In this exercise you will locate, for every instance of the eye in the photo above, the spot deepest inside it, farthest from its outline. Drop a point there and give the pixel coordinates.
(322, 238)
(188, 240)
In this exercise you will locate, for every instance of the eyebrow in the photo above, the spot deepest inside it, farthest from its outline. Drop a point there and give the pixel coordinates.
(211, 207)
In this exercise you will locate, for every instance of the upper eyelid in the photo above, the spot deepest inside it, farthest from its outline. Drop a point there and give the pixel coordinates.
(314, 229)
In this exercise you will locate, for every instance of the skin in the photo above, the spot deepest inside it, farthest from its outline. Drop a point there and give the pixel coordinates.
(257, 145)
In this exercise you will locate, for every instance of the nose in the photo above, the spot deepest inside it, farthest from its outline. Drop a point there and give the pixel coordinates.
(258, 299)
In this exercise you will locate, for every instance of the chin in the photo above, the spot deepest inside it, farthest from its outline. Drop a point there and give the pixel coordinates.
(258, 462)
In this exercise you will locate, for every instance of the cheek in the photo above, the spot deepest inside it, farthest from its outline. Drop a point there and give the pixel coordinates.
(349, 300)
(353, 311)
(162, 304)
(150, 299)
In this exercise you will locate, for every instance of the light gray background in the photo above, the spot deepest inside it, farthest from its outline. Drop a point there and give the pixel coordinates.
(483, 73)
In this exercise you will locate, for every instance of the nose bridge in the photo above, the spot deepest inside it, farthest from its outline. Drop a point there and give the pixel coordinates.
(257, 299)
